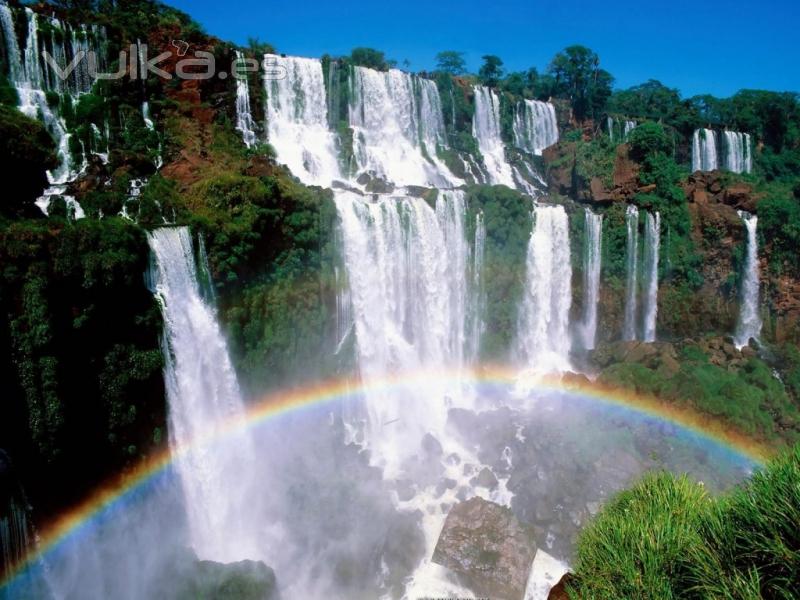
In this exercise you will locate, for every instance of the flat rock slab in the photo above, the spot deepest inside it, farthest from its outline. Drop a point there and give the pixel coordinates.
(488, 548)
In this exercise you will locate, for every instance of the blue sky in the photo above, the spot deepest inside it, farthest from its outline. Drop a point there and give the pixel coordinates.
(714, 46)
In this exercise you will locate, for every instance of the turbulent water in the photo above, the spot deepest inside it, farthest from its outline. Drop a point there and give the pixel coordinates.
(632, 270)
(535, 126)
(486, 129)
(592, 257)
(543, 339)
(749, 326)
(203, 396)
(652, 247)
(297, 119)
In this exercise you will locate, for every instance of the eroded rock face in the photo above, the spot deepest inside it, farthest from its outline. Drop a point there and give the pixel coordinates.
(488, 548)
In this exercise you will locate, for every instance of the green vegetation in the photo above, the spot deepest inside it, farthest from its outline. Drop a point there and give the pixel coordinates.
(749, 397)
(451, 62)
(666, 538)
(491, 70)
(27, 151)
(507, 218)
(82, 396)
(578, 76)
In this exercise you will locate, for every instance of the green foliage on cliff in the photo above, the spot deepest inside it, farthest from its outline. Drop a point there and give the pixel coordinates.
(26, 152)
(750, 399)
(370, 58)
(507, 218)
(779, 228)
(83, 369)
(666, 538)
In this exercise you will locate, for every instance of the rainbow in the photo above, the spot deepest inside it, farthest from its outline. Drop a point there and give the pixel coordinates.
(277, 404)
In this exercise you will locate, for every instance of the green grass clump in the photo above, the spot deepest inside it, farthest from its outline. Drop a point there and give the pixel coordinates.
(636, 547)
(667, 538)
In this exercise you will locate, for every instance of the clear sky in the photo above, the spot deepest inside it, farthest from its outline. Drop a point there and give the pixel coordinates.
(698, 46)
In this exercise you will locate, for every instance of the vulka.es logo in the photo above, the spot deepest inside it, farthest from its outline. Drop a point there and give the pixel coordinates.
(137, 63)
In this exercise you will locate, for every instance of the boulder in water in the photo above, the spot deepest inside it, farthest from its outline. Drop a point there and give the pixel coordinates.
(487, 547)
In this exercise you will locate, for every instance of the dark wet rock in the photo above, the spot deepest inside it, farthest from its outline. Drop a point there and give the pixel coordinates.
(431, 446)
(488, 548)
(405, 490)
(186, 577)
(485, 479)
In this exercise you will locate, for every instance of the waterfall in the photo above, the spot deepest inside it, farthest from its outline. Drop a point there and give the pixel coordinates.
(632, 262)
(593, 224)
(704, 150)
(543, 340)
(749, 326)
(297, 119)
(148, 121)
(244, 117)
(535, 126)
(478, 292)
(203, 397)
(33, 78)
(408, 270)
(395, 136)
(652, 244)
(486, 129)
(738, 152)
(624, 127)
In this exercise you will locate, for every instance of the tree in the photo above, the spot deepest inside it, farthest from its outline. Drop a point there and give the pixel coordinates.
(491, 72)
(369, 57)
(578, 76)
(451, 61)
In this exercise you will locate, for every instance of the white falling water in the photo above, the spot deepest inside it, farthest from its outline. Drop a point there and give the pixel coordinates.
(632, 279)
(652, 245)
(704, 150)
(591, 276)
(407, 267)
(203, 397)
(395, 136)
(749, 326)
(543, 339)
(148, 121)
(297, 119)
(244, 116)
(486, 129)
(32, 78)
(478, 292)
(619, 129)
(535, 126)
(738, 152)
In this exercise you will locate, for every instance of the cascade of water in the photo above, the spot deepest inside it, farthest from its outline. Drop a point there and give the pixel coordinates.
(749, 326)
(203, 397)
(244, 117)
(616, 126)
(652, 244)
(704, 150)
(593, 224)
(486, 129)
(12, 45)
(738, 152)
(148, 121)
(395, 136)
(407, 266)
(627, 128)
(632, 279)
(543, 340)
(478, 291)
(535, 126)
(297, 119)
